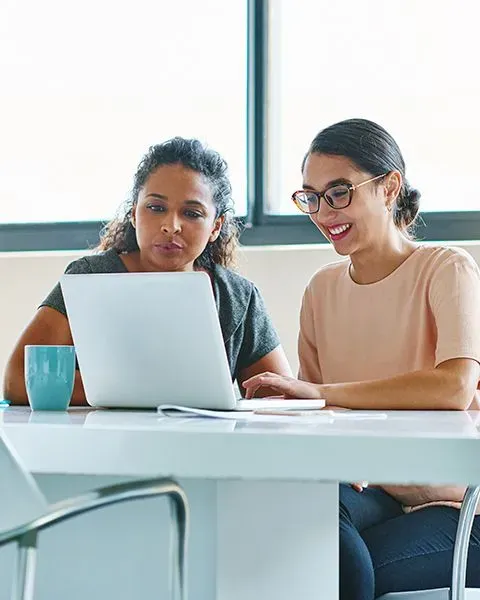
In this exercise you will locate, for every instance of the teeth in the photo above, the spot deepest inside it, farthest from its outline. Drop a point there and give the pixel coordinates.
(340, 229)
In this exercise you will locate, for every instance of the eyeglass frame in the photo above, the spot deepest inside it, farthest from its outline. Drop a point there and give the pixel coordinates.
(350, 186)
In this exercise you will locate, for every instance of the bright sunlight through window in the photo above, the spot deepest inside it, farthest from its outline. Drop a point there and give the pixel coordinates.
(86, 87)
(410, 65)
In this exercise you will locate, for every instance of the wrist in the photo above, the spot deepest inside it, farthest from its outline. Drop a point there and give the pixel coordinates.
(323, 393)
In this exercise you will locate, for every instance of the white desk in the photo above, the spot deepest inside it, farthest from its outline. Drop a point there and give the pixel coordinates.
(263, 496)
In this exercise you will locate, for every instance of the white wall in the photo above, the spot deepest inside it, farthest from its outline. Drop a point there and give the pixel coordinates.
(281, 273)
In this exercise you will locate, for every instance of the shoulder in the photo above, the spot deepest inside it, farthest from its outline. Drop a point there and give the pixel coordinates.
(239, 303)
(104, 262)
(328, 274)
(438, 261)
(445, 273)
(233, 285)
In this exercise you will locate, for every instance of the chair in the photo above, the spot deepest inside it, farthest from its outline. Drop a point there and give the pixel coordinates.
(457, 591)
(25, 512)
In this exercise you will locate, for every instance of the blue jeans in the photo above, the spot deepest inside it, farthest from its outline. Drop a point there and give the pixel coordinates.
(382, 549)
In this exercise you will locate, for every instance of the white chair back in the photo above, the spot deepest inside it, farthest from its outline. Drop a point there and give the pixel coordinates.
(20, 498)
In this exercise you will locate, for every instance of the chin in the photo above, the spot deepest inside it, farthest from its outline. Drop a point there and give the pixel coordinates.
(345, 247)
(175, 267)
(163, 262)
(341, 251)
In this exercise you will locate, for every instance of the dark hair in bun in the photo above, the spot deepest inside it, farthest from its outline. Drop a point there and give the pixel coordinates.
(406, 208)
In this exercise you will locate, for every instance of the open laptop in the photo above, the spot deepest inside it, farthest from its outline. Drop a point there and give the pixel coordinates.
(148, 339)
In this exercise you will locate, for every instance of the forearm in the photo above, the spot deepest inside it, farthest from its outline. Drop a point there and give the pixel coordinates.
(14, 389)
(78, 394)
(420, 390)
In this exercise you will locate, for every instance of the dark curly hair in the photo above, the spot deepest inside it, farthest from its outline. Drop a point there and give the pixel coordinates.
(191, 154)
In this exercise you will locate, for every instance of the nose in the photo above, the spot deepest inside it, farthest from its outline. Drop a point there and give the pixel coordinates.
(171, 224)
(325, 212)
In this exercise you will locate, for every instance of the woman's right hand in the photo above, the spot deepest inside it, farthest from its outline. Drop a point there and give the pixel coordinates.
(359, 487)
(281, 385)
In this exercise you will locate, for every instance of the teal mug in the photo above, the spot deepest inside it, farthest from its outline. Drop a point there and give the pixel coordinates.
(49, 376)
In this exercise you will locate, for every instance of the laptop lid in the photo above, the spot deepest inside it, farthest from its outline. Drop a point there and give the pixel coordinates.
(144, 339)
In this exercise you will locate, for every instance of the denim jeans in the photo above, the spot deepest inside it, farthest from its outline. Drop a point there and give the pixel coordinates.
(382, 549)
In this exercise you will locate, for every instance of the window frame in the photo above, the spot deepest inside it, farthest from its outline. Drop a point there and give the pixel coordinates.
(258, 227)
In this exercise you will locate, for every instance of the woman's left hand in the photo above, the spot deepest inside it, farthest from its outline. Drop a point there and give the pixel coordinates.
(288, 387)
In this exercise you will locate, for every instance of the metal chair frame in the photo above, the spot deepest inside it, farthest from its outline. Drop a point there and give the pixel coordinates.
(26, 534)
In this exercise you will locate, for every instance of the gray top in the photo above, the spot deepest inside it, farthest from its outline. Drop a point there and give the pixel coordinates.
(247, 329)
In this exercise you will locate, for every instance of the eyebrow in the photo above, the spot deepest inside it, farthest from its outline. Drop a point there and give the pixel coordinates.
(307, 186)
(188, 202)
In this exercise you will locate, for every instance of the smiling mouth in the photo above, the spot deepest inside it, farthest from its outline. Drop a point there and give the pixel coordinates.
(339, 231)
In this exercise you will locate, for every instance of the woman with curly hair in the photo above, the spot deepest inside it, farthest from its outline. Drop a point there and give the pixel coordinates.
(179, 217)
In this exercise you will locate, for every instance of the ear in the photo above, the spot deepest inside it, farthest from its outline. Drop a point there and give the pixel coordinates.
(393, 184)
(217, 227)
(133, 216)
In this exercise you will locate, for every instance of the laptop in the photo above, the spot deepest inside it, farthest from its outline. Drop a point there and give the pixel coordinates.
(149, 339)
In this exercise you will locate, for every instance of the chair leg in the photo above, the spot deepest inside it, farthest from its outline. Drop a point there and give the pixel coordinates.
(460, 553)
(24, 582)
(178, 557)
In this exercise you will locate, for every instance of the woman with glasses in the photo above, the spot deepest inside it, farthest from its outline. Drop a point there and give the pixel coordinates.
(394, 325)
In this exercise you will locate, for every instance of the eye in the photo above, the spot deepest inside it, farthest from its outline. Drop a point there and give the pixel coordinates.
(193, 214)
(155, 207)
(338, 192)
(338, 196)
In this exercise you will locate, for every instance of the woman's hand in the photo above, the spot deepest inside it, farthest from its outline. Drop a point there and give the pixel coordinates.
(273, 362)
(287, 387)
(359, 487)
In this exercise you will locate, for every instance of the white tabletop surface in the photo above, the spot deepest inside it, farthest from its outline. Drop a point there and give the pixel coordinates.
(423, 447)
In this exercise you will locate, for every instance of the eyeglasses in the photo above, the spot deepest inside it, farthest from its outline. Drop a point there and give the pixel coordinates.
(337, 197)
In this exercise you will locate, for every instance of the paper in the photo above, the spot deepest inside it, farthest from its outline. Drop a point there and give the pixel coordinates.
(171, 410)
(296, 416)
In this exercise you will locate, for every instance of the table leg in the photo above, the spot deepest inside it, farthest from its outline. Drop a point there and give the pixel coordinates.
(277, 540)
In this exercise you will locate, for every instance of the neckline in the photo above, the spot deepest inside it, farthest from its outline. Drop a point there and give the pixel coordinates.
(387, 277)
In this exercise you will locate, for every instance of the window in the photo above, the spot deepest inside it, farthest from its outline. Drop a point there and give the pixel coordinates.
(88, 86)
(408, 65)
